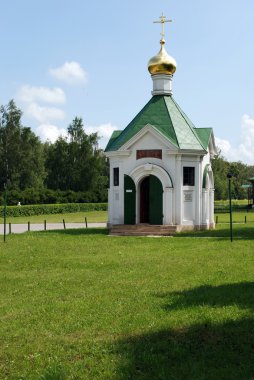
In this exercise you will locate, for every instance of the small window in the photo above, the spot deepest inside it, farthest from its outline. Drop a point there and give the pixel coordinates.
(116, 176)
(188, 176)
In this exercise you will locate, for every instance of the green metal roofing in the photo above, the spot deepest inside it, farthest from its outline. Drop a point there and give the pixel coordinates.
(113, 137)
(204, 135)
(165, 116)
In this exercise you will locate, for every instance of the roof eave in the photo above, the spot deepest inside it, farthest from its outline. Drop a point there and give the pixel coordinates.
(116, 153)
(194, 152)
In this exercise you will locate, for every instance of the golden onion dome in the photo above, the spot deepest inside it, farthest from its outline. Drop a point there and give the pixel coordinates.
(162, 63)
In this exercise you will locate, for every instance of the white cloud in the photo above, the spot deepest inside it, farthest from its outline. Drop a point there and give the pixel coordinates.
(104, 132)
(44, 114)
(69, 72)
(244, 151)
(30, 94)
(223, 145)
(50, 132)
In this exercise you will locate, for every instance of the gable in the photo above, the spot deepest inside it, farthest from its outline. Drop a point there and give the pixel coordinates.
(148, 138)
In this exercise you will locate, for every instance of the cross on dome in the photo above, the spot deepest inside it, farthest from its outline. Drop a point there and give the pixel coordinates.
(162, 22)
(162, 63)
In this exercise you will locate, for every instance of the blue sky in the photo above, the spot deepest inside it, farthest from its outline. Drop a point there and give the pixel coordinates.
(61, 59)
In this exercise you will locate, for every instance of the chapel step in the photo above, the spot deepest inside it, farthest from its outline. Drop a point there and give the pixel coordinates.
(142, 230)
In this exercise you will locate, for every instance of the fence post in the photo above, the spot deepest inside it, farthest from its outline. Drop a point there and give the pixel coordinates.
(28, 226)
(216, 219)
(64, 224)
(245, 219)
(9, 228)
(86, 222)
(5, 212)
(45, 225)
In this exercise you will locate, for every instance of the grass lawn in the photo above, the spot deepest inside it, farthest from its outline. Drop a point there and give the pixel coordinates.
(234, 202)
(237, 217)
(92, 216)
(78, 304)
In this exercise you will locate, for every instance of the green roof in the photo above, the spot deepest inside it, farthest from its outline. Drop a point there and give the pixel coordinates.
(204, 135)
(165, 115)
(113, 137)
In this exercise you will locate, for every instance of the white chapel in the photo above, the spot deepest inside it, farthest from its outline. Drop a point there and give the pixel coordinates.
(160, 164)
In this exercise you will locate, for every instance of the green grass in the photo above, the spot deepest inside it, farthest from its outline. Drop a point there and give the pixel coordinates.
(92, 216)
(237, 217)
(240, 232)
(243, 202)
(78, 304)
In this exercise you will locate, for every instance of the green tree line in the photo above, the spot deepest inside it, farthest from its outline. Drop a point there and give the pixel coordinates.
(74, 169)
(71, 169)
(240, 174)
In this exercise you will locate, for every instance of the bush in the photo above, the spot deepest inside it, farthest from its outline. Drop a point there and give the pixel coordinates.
(29, 210)
(223, 207)
(47, 196)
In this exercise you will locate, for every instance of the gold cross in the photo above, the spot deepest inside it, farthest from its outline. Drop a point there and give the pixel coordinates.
(162, 22)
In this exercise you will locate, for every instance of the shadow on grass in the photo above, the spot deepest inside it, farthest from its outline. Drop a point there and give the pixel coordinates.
(78, 231)
(204, 351)
(201, 352)
(241, 294)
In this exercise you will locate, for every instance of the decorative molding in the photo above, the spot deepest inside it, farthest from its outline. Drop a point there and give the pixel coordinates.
(144, 170)
(151, 153)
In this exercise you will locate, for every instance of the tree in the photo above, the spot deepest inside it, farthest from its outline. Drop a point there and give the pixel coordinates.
(240, 174)
(57, 165)
(220, 171)
(75, 162)
(21, 152)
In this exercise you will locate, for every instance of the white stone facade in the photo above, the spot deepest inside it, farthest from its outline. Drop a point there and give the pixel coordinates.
(187, 207)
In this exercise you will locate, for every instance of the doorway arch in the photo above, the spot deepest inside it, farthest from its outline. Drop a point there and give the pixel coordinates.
(151, 200)
(142, 171)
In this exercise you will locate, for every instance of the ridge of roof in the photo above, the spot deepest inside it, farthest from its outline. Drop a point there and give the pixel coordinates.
(172, 124)
(184, 128)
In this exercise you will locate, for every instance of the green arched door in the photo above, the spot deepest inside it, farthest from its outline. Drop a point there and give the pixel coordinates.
(129, 200)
